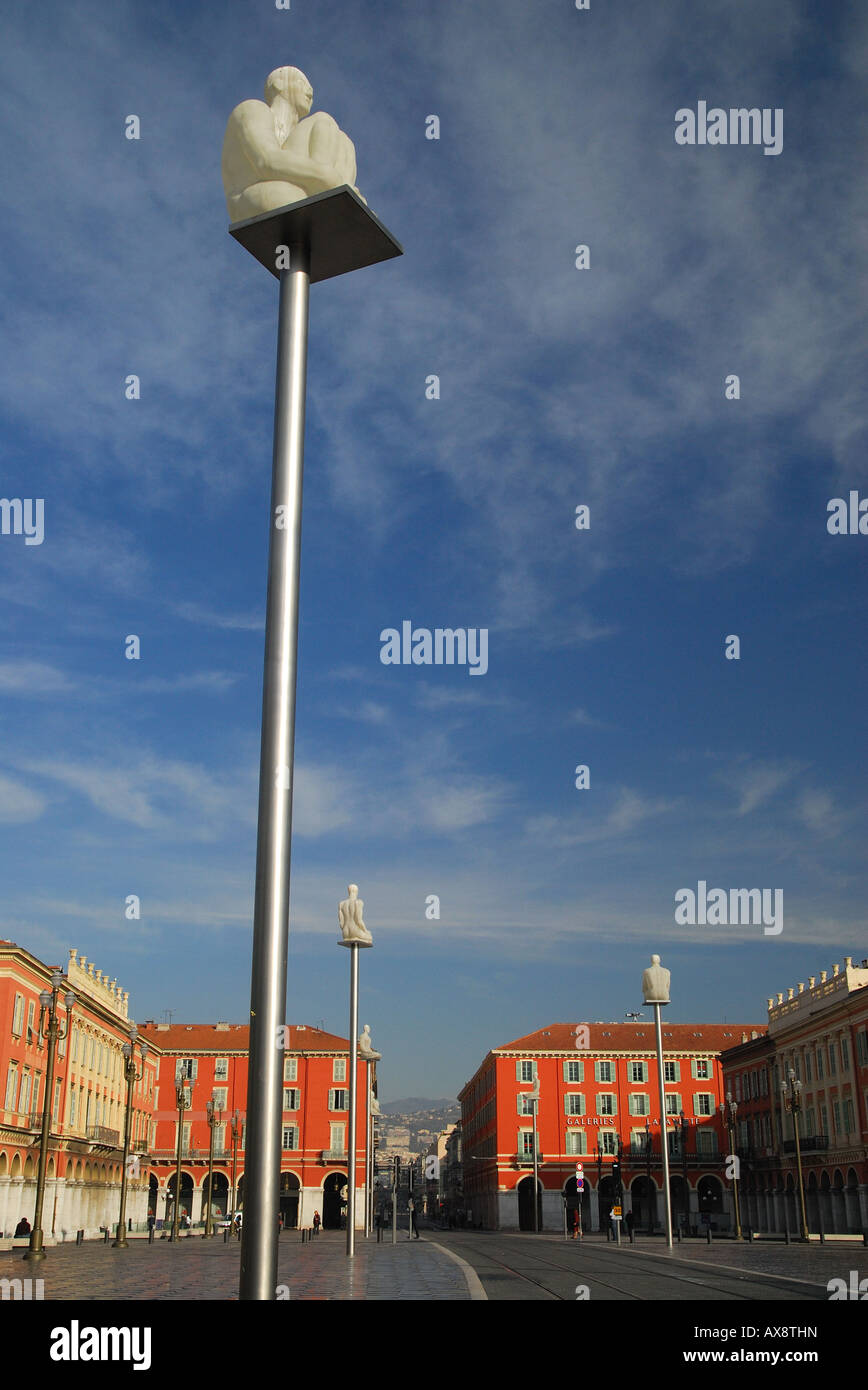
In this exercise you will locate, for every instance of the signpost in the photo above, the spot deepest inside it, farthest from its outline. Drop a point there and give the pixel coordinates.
(580, 1187)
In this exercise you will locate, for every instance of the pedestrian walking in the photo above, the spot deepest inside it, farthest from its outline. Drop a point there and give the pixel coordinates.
(575, 1223)
(629, 1222)
(316, 1223)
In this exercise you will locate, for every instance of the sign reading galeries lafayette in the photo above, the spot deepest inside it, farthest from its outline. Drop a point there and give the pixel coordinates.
(611, 1121)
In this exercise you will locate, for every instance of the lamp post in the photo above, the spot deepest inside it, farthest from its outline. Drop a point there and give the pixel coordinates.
(791, 1096)
(729, 1113)
(131, 1076)
(534, 1100)
(184, 1100)
(655, 990)
(685, 1130)
(213, 1116)
(48, 1004)
(649, 1141)
(235, 1130)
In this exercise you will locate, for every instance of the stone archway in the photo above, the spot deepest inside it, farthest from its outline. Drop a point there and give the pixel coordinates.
(525, 1204)
(643, 1198)
(571, 1200)
(290, 1191)
(333, 1206)
(852, 1202)
(220, 1198)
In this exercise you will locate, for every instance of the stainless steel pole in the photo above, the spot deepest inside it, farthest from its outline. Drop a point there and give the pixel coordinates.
(535, 1173)
(664, 1137)
(354, 1052)
(271, 906)
(367, 1149)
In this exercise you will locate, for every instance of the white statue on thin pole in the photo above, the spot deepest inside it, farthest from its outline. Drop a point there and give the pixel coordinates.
(275, 152)
(351, 920)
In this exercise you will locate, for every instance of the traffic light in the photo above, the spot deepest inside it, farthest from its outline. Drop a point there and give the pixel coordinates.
(616, 1170)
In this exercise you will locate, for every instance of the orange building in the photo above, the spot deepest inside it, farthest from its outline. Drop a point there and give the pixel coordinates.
(212, 1059)
(88, 1108)
(598, 1107)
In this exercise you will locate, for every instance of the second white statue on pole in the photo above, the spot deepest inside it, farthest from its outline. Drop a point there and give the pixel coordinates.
(276, 153)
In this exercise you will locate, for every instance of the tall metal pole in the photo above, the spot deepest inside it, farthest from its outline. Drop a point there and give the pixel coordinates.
(367, 1149)
(535, 1171)
(664, 1137)
(48, 1001)
(354, 1053)
(271, 905)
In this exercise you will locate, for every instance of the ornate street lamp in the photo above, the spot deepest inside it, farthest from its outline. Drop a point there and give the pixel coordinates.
(48, 1005)
(131, 1076)
(729, 1113)
(684, 1131)
(185, 1100)
(236, 1125)
(791, 1098)
(214, 1116)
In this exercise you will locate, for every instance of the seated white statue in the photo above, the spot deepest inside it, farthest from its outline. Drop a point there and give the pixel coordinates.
(350, 917)
(275, 153)
(655, 983)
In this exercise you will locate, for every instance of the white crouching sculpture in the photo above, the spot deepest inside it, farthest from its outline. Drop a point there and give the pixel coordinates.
(366, 1047)
(350, 917)
(275, 152)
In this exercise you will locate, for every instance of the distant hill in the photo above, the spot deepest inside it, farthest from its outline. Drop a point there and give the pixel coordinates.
(415, 1105)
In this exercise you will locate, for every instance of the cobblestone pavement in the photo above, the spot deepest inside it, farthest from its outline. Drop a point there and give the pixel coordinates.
(528, 1267)
(198, 1269)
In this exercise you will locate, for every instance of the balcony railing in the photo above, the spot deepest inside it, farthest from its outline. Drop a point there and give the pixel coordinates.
(806, 1143)
(333, 1156)
(526, 1160)
(100, 1134)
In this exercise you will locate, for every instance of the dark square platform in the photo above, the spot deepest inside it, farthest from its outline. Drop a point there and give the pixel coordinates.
(336, 227)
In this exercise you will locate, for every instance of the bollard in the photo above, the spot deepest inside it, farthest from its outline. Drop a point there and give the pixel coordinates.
(821, 1226)
(79, 1237)
(708, 1234)
(150, 1235)
(303, 1235)
(225, 1234)
(865, 1237)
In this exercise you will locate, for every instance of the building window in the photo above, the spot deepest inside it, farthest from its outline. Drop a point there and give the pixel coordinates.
(31, 1018)
(338, 1099)
(290, 1068)
(706, 1141)
(186, 1068)
(673, 1104)
(820, 1072)
(609, 1141)
(336, 1139)
(754, 1085)
(638, 1072)
(672, 1071)
(764, 1082)
(639, 1142)
(55, 1109)
(18, 1016)
(220, 1096)
(833, 1070)
(73, 1105)
(606, 1104)
(574, 1103)
(577, 1142)
(221, 1069)
(836, 1116)
(339, 1069)
(845, 1055)
(574, 1072)
(808, 1076)
(290, 1136)
(11, 1086)
(603, 1071)
(525, 1070)
(700, 1068)
(736, 1090)
(525, 1138)
(525, 1104)
(290, 1099)
(24, 1098)
(639, 1104)
(703, 1104)
(862, 1048)
(848, 1115)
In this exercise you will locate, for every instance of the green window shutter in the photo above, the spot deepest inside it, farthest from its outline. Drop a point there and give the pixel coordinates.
(596, 1071)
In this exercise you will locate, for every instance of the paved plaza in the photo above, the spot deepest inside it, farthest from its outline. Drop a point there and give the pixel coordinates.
(197, 1269)
(546, 1267)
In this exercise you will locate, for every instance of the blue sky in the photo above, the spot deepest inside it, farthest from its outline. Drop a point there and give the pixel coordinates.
(558, 387)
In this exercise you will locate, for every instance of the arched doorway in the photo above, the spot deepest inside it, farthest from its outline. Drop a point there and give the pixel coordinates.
(852, 1201)
(710, 1201)
(239, 1194)
(333, 1205)
(290, 1188)
(826, 1202)
(643, 1200)
(679, 1196)
(153, 1191)
(571, 1199)
(525, 1204)
(220, 1199)
(606, 1198)
(186, 1206)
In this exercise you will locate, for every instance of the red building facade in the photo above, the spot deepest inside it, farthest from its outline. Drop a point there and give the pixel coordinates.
(598, 1107)
(212, 1060)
